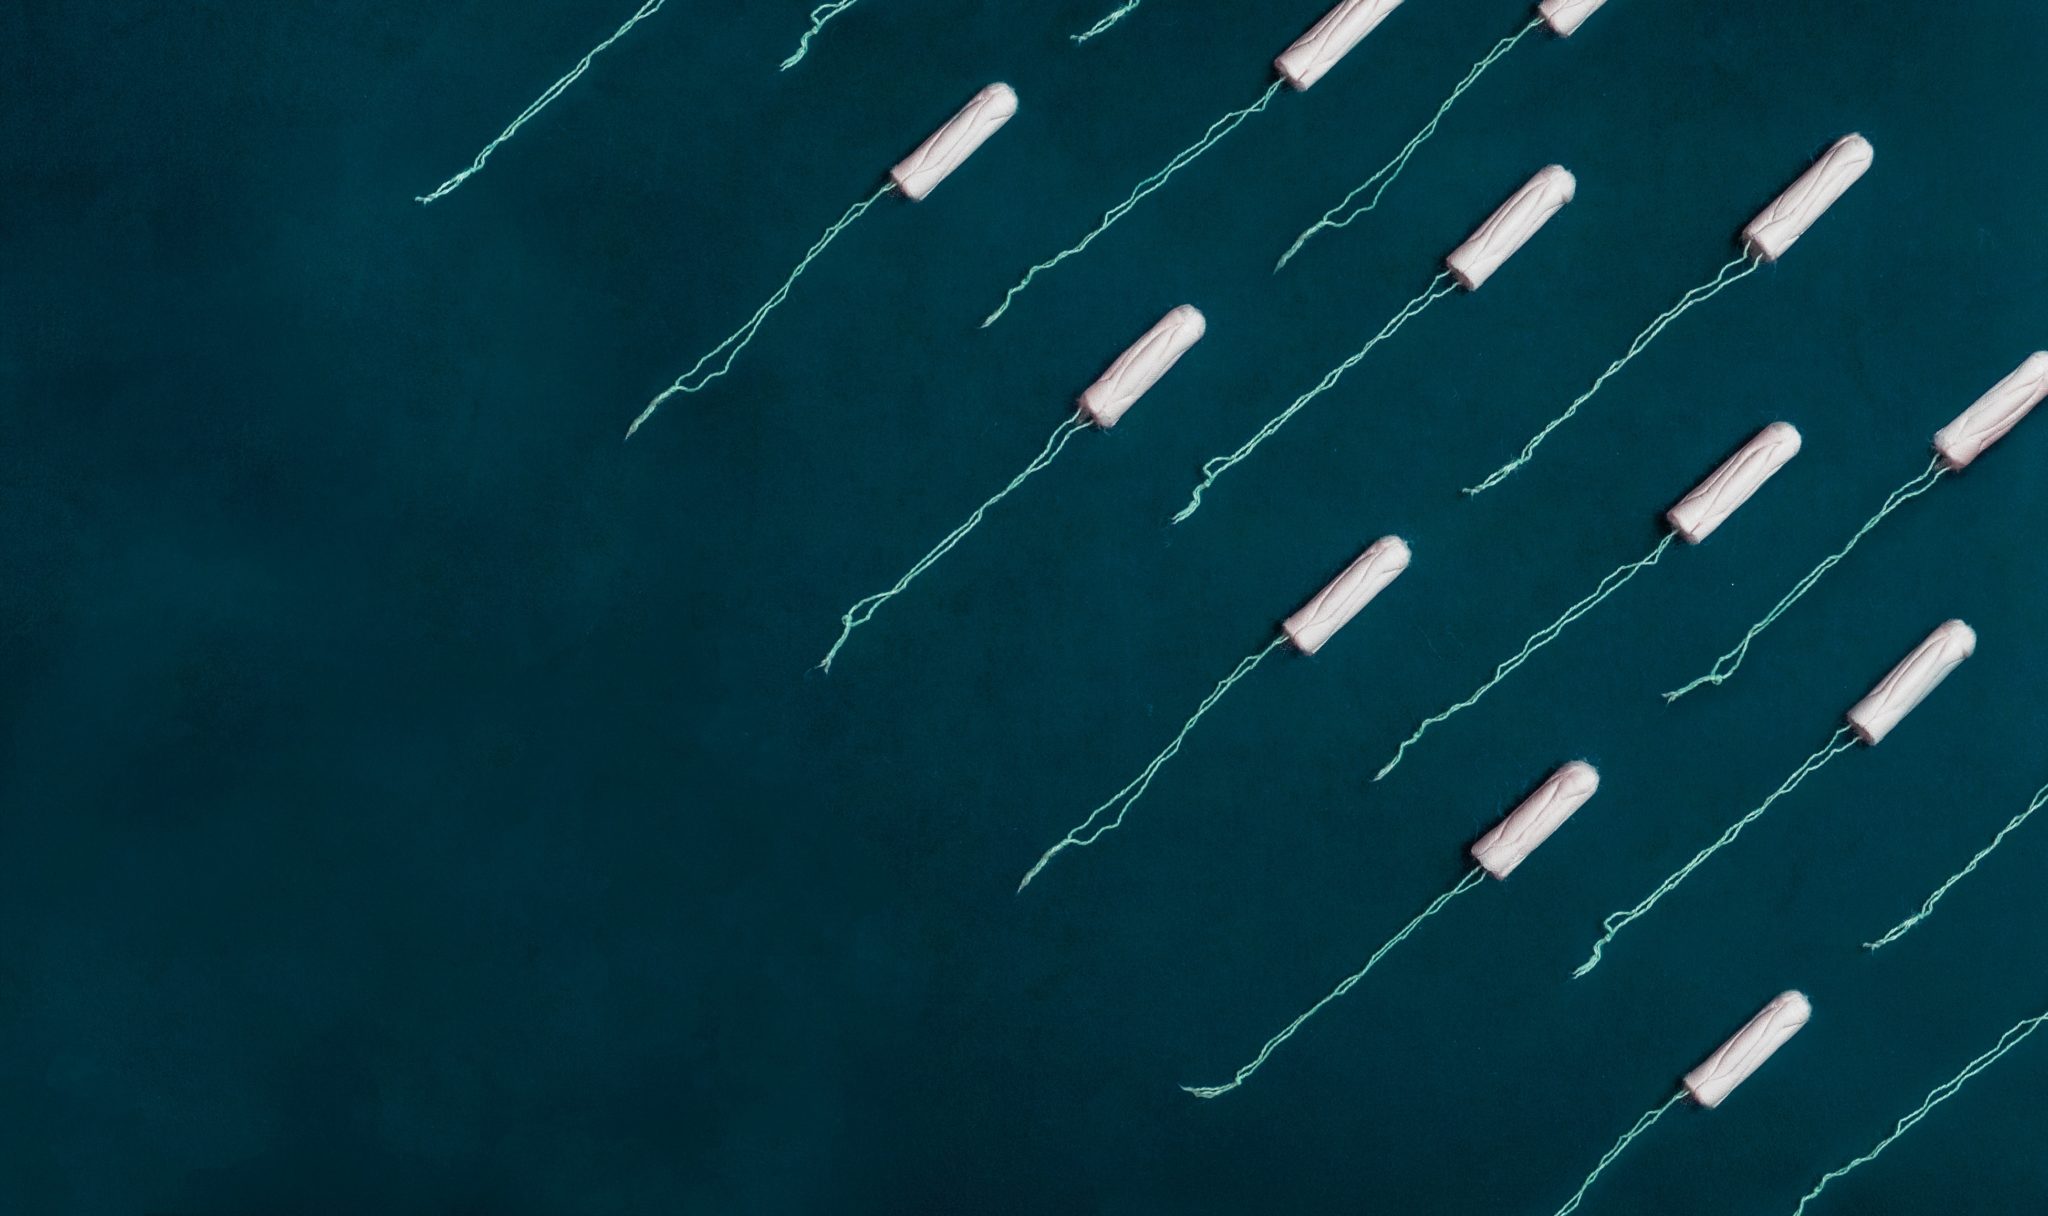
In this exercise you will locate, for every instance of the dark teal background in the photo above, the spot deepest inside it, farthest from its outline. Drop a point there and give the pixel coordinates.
(415, 800)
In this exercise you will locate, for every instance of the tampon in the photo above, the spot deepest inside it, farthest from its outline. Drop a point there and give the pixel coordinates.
(1728, 487)
(918, 173)
(1320, 618)
(1712, 1082)
(1512, 840)
(914, 177)
(1343, 27)
(1566, 16)
(1869, 720)
(1335, 605)
(1696, 515)
(1498, 853)
(1788, 217)
(1510, 227)
(1955, 446)
(1129, 378)
(1993, 414)
(1909, 683)
(1300, 65)
(1140, 367)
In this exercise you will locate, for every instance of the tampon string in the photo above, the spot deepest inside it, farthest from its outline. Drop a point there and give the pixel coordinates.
(1927, 909)
(1941, 1093)
(1706, 291)
(1338, 216)
(820, 16)
(1471, 880)
(864, 611)
(698, 377)
(540, 103)
(1092, 828)
(1642, 1125)
(1109, 21)
(1727, 664)
(1537, 641)
(1217, 130)
(1844, 739)
(1438, 288)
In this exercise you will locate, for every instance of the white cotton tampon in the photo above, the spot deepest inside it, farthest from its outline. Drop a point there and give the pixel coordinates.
(1993, 414)
(1335, 605)
(1713, 1081)
(1909, 683)
(1788, 217)
(1510, 227)
(1140, 367)
(1512, 840)
(1330, 39)
(1565, 16)
(918, 173)
(1728, 487)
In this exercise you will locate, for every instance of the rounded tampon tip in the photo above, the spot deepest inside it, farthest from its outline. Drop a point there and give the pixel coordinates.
(1965, 636)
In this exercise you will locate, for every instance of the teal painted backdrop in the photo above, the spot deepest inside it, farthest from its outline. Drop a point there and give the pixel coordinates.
(414, 799)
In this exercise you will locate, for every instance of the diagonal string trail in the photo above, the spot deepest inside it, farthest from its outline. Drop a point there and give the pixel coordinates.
(540, 103)
(1093, 827)
(1727, 664)
(1940, 1094)
(1843, 740)
(1212, 469)
(1698, 295)
(1338, 216)
(1104, 25)
(1642, 1125)
(1217, 130)
(1543, 637)
(697, 377)
(863, 611)
(1927, 909)
(1465, 884)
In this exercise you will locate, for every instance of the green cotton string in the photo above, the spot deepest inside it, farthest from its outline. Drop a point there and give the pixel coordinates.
(1698, 295)
(1217, 467)
(1537, 641)
(1843, 740)
(1217, 130)
(1093, 827)
(1337, 216)
(697, 378)
(819, 16)
(1927, 909)
(1941, 1093)
(1465, 884)
(861, 613)
(1642, 1125)
(540, 103)
(1104, 25)
(1727, 664)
